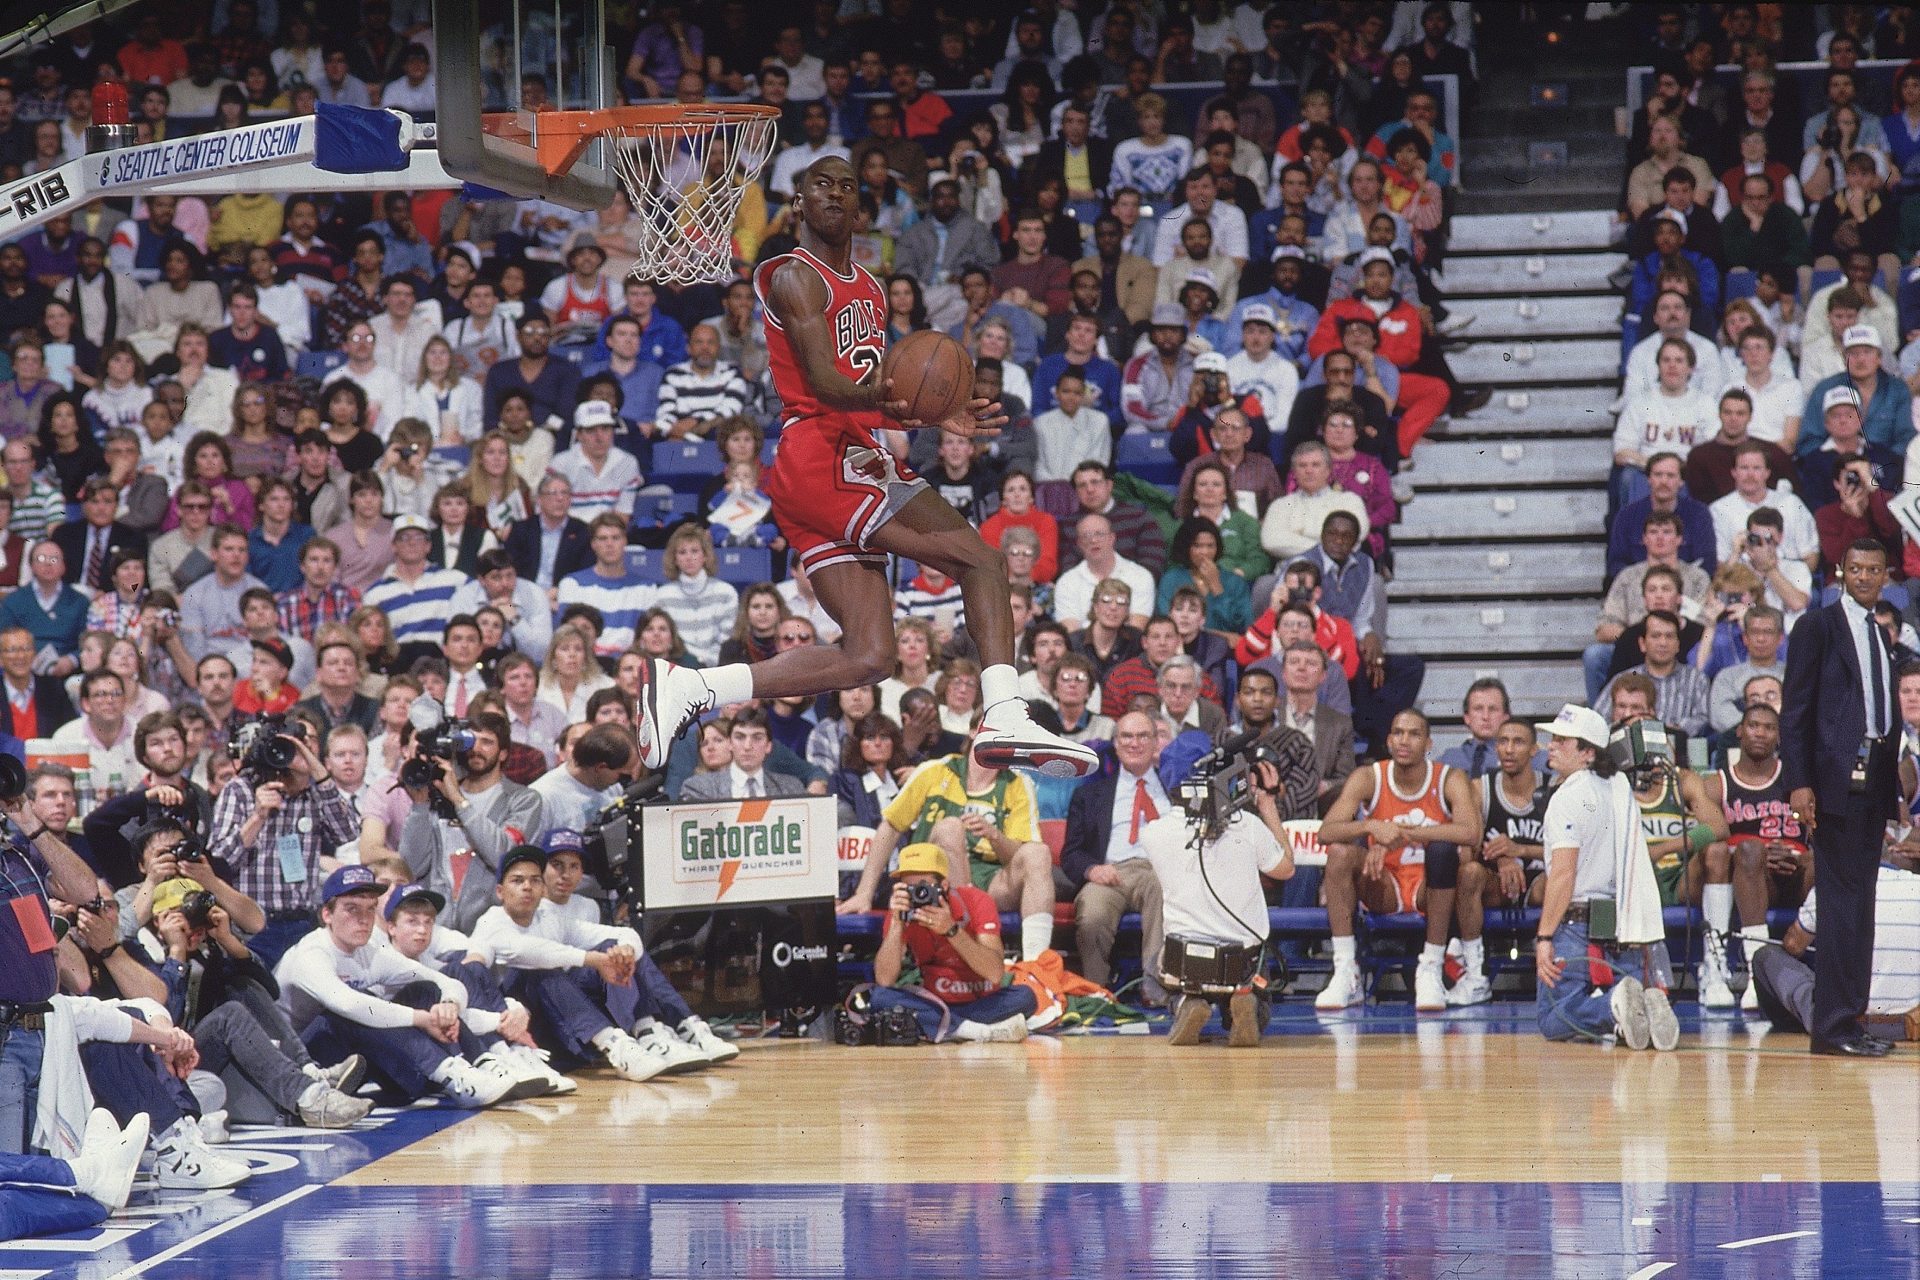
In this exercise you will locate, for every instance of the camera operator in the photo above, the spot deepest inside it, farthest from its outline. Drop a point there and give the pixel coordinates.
(589, 777)
(160, 744)
(220, 993)
(273, 826)
(1223, 903)
(167, 852)
(954, 935)
(1600, 881)
(459, 857)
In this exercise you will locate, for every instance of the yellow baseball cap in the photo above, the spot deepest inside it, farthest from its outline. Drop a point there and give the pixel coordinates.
(169, 894)
(925, 856)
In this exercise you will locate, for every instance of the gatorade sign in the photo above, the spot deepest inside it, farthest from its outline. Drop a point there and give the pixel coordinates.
(737, 852)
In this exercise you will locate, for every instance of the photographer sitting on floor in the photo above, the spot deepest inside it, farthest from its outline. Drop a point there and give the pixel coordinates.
(953, 933)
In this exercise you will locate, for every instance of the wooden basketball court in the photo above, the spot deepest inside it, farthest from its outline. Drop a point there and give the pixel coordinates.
(1361, 1145)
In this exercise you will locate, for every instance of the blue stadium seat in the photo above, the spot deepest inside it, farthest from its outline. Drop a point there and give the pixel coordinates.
(658, 510)
(744, 566)
(318, 364)
(685, 466)
(647, 562)
(767, 451)
(1740, 284)
(1147, 455)
(1821, 279)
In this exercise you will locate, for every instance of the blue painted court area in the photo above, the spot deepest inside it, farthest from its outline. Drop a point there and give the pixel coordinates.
(1166, 1231)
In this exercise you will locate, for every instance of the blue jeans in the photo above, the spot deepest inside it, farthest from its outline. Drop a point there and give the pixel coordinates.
(569, 1007)
(19, 1073)
(1594, 660)
(1628, 485)
(1002, 1004)
(37, 1199)
(1574, 1008)
(278, 938)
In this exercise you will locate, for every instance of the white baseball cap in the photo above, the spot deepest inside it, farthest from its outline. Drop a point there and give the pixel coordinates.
(1288, 251)
(1376, 254)
(1210, 362)
(595, 413)
(1860, 335)
(1202, 275)
(1259, 313)
(1838, 397)
(1581, 723)
(417, 523)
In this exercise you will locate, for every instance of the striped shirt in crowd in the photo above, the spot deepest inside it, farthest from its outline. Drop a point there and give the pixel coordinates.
(621, 602)
(919, 600)
(597, 492)
(702, 609)
(35, 515)
(687, 393)
(419, 609)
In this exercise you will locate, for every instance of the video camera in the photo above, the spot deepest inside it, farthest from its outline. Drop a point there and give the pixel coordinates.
(436, 740)
(1643, 751)
(1221, 783)
(260, 750)
(611, 841)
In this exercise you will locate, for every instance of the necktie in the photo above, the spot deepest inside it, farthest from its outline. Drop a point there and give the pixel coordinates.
(1876, 659)
(96, 555)
(753, 788)
(1479, 759)
(460, 697)
(1143, 810)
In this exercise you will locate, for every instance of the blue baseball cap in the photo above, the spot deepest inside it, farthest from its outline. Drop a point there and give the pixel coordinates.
(353, 879)
(407, 893)
(561, 840)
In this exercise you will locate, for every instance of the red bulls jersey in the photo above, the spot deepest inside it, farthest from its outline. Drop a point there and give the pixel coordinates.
(856, 320)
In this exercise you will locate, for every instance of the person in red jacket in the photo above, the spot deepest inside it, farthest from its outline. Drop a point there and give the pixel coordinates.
(1424, 396)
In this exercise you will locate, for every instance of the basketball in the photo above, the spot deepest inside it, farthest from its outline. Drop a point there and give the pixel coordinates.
(932, 373)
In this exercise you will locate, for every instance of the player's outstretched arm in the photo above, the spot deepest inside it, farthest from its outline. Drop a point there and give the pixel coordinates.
(798, 299)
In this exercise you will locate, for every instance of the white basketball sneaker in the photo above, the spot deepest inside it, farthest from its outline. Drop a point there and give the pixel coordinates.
(678, 1055)
(1343, 989)
(108, 1158)
(1008, 738)
(671, 698)
(1663, 1029)
(1628, 1002)
(1715, 993)
(1429, 989)
(695, 1032)
(1473, 988)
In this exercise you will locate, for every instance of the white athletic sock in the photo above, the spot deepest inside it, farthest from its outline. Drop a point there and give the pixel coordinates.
(1036, 934)
(1343, 952)
(1433, 955)
(1716, 903)
(730, 683)
(1473, 954)
(312, 1094)
(998, 683)
(1756, 933)
(605, 1038)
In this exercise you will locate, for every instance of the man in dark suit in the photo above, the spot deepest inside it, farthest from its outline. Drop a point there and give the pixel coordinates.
(550, 544)
(1105, 860)
(35, 705)
(1839, 739)
(747, 777)
(1075, 132)
(91, 540)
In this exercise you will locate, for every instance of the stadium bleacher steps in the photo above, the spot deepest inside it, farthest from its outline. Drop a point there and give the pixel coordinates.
(1499, 557)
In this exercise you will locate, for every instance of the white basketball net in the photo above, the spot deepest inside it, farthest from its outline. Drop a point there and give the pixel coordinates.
(686, 180)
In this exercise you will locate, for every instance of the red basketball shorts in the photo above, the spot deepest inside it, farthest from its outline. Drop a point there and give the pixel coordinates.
(831, 491)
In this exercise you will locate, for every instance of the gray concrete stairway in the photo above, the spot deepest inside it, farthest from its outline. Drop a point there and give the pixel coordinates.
(1500, 554)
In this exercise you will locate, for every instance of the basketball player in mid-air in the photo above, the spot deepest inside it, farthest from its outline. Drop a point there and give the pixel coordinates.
(844, 502)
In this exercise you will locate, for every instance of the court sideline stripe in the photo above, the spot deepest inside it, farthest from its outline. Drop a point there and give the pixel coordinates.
(1652, 1269)
(1748, 1244)
(174, 1251)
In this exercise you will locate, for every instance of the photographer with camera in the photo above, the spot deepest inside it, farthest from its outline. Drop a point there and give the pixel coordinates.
(1601, 900)
(272, 823)
(1213, 906)
(220, 993)
(163, 858)
(953, 933)
(160, 745)
(465, 814)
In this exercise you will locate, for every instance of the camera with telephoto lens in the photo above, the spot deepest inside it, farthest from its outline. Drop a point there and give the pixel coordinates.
(262, 751)
(436, 740)
(924, 893)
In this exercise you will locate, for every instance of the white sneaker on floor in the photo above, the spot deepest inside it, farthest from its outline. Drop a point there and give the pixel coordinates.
(1008, 738)
(1662, 1027)
(345, 1075)
(1473, 988)
(466, 1084)
(632, 1061)
(1750, 998)
(679, 1055)
(671, 698)
(183, 1162)
(1343, 989)
(527, 1083)
(713, 1047)
(539, 1060)
(1429, 988)
(213, 1128)
(1714, 991)
(1009, 1030)
(109, 1157)
(1628, 1003)
(334, 1110)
